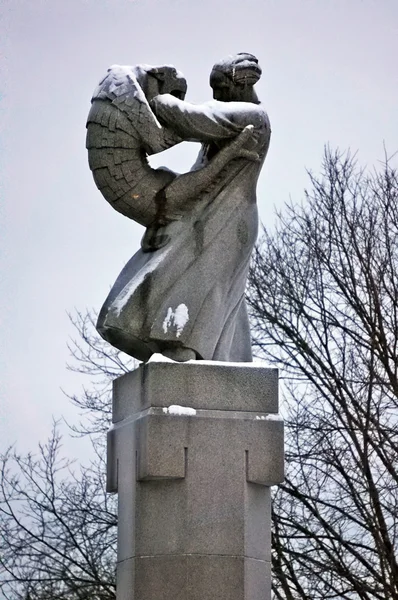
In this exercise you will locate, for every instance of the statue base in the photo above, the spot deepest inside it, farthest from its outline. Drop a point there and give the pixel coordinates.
(192, 453)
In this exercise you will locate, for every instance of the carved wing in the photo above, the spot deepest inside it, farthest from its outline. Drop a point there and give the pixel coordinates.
(121, 89)
(121, 130)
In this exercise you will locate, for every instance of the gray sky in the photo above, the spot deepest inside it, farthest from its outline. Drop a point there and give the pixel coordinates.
(329, 75)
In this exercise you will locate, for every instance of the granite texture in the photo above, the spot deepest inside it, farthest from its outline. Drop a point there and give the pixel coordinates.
(250, 387)
(194, 486)
(194, 577)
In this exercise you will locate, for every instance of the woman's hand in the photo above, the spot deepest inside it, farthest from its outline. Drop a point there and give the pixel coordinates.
(236, 148)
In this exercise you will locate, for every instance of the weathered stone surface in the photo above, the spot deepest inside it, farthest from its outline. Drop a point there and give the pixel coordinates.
(161, 445)
(196, 577)
(212, 455)
(194, 496)
(249, 387)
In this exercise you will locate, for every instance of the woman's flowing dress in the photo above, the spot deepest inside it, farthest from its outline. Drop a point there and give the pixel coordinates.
(190, 293)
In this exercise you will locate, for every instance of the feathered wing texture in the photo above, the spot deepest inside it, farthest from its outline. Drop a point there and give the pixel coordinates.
(121, 131)
(121, 87)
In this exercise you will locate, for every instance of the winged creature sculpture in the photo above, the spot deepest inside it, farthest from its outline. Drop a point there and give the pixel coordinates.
(122, 131)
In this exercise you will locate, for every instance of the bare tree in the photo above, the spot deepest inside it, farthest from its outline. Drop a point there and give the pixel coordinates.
(324, 308)
(58, 526)
(100, 363)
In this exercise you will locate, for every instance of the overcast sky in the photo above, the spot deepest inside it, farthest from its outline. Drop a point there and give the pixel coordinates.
(329, 75)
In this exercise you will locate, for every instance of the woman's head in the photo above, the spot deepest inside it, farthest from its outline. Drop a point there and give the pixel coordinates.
(233, 78)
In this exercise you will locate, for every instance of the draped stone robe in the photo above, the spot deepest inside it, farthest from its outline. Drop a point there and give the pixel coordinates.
(190, 292)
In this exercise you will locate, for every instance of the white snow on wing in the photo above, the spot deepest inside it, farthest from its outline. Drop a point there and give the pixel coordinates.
(128, 75)
(129, 289)
(142, 98)
(177, 318)
(176, 409)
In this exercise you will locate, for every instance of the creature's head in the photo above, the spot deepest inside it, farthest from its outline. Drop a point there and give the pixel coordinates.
(164, 80)
(233, 78)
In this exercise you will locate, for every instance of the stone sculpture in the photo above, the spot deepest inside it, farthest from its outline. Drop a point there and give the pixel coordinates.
(182, 293)
(193, 448)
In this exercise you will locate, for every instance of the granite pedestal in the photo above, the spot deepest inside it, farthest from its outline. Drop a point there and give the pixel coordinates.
(192, 453)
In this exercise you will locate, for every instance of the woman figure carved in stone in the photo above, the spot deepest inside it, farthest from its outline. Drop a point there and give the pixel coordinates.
(182, 293)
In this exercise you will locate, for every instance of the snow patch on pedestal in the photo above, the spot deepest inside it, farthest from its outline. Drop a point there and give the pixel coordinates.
(175, 409)
(270, 417)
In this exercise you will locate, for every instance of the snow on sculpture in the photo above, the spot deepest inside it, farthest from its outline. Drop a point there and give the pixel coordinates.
(182, 293)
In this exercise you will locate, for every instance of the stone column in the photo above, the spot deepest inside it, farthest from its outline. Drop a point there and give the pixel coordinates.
(192, 453)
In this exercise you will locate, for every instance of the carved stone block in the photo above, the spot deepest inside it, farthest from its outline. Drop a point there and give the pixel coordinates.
(193, 480)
